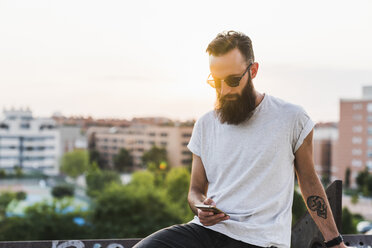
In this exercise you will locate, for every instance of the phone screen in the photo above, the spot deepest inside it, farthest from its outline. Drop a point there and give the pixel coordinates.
(209, 208)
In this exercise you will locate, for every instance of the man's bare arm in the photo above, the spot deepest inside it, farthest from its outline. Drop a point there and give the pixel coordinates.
(198, 184)
(313, 191)
(198, 194)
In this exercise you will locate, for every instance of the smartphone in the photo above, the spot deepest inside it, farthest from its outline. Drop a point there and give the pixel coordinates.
(210, 208)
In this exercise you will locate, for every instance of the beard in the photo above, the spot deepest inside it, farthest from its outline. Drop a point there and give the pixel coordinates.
(238, 110)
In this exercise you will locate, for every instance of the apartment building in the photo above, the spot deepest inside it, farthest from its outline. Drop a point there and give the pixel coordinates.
(354, 148)
(27, 142)
(139, 138)
(325, 139)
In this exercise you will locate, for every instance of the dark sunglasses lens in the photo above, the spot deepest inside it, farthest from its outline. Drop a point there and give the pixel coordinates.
(233, 81)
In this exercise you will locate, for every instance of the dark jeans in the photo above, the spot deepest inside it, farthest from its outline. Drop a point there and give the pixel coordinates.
(190, 236)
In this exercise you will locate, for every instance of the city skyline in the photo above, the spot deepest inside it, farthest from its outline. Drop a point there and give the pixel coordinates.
(118, 59)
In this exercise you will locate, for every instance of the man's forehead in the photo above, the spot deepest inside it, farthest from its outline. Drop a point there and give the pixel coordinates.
(231, 62)
(233, 57)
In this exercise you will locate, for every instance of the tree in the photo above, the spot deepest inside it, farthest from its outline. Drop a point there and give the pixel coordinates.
(18, 171)
(369, 185)
(61, 191)
(177, 186)
(143, 179)
(6, 198)
(298, 207)
(347, 178)
(20, 195)
(45, 221)
(94, 156)
(325, 180)
(350, 221)
(354, 198)
(155, 155)
(2, 173)
(123, 161)
(75, 163)
(155, 161)
(132, 211)
(347, 222)
(362, 181)
(98, 179)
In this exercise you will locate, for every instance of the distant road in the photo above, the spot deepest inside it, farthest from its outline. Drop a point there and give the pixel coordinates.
(363, 207)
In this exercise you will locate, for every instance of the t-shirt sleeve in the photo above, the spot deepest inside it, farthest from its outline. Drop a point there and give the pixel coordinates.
(195, 141)
(302, 127)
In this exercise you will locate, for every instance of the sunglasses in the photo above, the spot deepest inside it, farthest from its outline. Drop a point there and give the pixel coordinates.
(231, 81)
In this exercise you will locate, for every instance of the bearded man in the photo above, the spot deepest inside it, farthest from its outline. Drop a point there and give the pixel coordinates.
(245, 155)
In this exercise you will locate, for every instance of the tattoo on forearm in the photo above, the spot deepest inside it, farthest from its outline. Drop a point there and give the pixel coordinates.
(316, 203)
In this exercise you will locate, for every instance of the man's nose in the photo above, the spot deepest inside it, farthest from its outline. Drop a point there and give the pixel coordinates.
(225, 89)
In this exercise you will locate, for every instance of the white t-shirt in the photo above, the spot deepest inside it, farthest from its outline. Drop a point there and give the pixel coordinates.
(250, 170)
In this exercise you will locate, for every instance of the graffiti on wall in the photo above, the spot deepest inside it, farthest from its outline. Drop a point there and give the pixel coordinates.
(80, 244)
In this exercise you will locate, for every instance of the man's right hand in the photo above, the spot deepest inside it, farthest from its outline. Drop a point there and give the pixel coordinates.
(208, 218)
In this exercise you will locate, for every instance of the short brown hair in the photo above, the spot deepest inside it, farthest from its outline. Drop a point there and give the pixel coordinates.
(227, 41)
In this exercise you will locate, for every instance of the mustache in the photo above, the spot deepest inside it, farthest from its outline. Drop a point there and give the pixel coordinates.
(229, 96)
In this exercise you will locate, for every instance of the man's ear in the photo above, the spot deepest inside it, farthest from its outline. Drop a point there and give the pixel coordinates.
(254, 69)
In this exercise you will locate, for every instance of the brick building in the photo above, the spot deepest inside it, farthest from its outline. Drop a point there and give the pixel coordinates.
(139, 138)
(354, 147)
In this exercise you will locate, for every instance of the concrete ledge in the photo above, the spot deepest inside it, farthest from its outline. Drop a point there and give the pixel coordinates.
(94, 243)
(358, 241)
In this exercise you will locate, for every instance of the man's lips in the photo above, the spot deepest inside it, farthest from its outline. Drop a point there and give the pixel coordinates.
(230, 97)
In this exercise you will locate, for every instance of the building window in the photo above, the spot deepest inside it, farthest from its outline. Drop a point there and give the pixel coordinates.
(25, 126)
(186, 153)
(140, 142)
(369, 142)
(369, 165)
(357, 129)
(186, 135)
(357, 106)
(358, 140)
(354, 174)
(4, 126)
(370, 130)
(185, 143)
(151, 134)
(186, 161)
(356, 152)
(369, 107)
(163, 134)
(140, 150)
(357, 117)
(369, 153)
(369, 118)
(39, 138)
(356, 163)
(152, 143)
(163, 143)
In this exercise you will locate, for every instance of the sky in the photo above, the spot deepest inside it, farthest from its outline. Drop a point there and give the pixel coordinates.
(125, 59)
